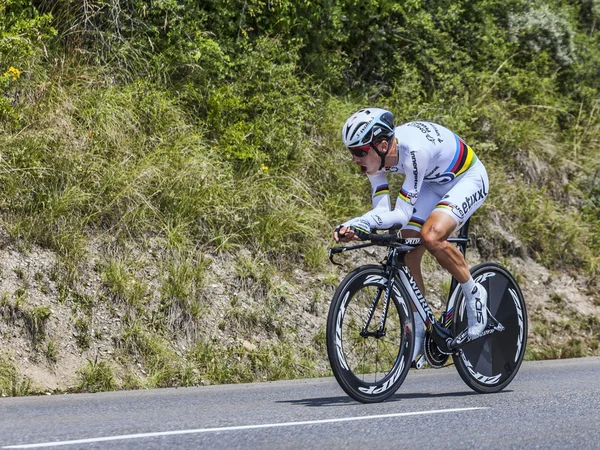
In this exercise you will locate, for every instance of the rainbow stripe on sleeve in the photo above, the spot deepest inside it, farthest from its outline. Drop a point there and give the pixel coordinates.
(463, 158)
(416, 222)
(381, 190)
(404, 195)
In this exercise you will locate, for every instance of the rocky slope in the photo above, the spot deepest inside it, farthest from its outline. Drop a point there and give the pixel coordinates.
(254, 321)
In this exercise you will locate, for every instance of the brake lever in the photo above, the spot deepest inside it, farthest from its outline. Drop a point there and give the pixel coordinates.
(333, 251)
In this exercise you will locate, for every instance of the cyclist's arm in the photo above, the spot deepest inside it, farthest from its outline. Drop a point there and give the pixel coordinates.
(380, 191)
(380, 217)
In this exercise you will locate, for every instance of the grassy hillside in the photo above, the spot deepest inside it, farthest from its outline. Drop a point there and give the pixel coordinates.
(170, 173)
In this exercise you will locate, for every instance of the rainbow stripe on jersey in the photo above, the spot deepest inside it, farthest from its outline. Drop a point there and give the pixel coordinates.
(463, 159)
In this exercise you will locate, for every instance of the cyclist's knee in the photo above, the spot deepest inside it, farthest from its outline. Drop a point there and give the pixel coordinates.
(433, 238)
(436, 230)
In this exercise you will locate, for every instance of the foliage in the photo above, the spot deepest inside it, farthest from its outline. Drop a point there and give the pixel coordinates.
(96, 376)
(11, 383)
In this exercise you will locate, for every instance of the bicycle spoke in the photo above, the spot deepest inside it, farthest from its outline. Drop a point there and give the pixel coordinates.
(389, 352)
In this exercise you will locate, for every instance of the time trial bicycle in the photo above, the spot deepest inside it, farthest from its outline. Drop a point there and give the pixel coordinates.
(370, 327)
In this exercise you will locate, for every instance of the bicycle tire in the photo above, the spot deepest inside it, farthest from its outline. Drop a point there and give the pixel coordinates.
(490, 363)
(369, 369)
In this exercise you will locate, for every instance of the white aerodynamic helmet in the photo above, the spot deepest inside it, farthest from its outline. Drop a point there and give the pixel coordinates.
(367, 126)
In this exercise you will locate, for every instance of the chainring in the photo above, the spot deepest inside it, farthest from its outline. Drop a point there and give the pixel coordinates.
(433, 355)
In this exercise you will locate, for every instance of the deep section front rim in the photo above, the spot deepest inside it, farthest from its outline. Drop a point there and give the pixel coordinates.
(369, 368)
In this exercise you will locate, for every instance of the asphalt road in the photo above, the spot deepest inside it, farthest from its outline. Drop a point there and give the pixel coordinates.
(549, 405)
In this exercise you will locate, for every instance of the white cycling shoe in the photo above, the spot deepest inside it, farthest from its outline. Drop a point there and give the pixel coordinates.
(477, 310)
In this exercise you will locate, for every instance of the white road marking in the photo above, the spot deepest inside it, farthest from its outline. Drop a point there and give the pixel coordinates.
(241, 427)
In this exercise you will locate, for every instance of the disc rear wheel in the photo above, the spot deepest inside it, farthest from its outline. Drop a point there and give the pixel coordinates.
(490, 363)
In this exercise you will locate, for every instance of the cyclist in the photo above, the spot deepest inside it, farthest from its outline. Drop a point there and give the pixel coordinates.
(444, 185)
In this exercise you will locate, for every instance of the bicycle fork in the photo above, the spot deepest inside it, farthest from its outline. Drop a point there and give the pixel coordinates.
(386, 302)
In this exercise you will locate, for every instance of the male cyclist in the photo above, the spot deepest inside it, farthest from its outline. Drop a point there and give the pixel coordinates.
(444, 185)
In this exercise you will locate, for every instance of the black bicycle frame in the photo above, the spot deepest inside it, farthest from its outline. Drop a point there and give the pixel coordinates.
(395, 265)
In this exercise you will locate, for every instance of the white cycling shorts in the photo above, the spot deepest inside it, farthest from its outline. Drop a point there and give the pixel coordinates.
(459, 198)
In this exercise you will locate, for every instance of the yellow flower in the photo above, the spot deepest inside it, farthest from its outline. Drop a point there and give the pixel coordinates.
(13, 73)
(265, 168)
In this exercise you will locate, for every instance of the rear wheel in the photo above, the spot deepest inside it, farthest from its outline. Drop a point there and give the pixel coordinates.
(369, 367)
(489, 364)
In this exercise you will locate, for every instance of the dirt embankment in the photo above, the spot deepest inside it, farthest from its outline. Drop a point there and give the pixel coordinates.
(50, 332)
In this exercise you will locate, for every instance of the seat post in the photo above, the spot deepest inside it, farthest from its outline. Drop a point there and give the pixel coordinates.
(464, 234)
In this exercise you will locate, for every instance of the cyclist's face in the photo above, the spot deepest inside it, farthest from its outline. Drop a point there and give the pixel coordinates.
(370, 162)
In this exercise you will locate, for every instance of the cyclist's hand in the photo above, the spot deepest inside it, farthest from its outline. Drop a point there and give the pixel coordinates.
(359, 230)
(344, 234)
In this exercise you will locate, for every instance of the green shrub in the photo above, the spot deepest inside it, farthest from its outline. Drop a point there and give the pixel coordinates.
(11, 383)
(96, 376)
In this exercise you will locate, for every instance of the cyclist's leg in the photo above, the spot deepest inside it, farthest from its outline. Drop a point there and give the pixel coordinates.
(423, 207)
(425, 203)
(464, 197)
(437, 229)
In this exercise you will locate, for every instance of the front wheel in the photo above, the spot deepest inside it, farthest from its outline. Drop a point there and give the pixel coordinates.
(489, 364)
(369, 350)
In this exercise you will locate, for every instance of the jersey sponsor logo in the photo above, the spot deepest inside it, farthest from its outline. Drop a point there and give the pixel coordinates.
(413, 157)
(437, 132)
(441, 178)
(409, 197)
(462, 210)
(377, 219)
(452, 207)
(413, 197)
(431, 172)
(423, 128)
(471, 200)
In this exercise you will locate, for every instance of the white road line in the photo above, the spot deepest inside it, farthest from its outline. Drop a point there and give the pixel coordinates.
(242, 427)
